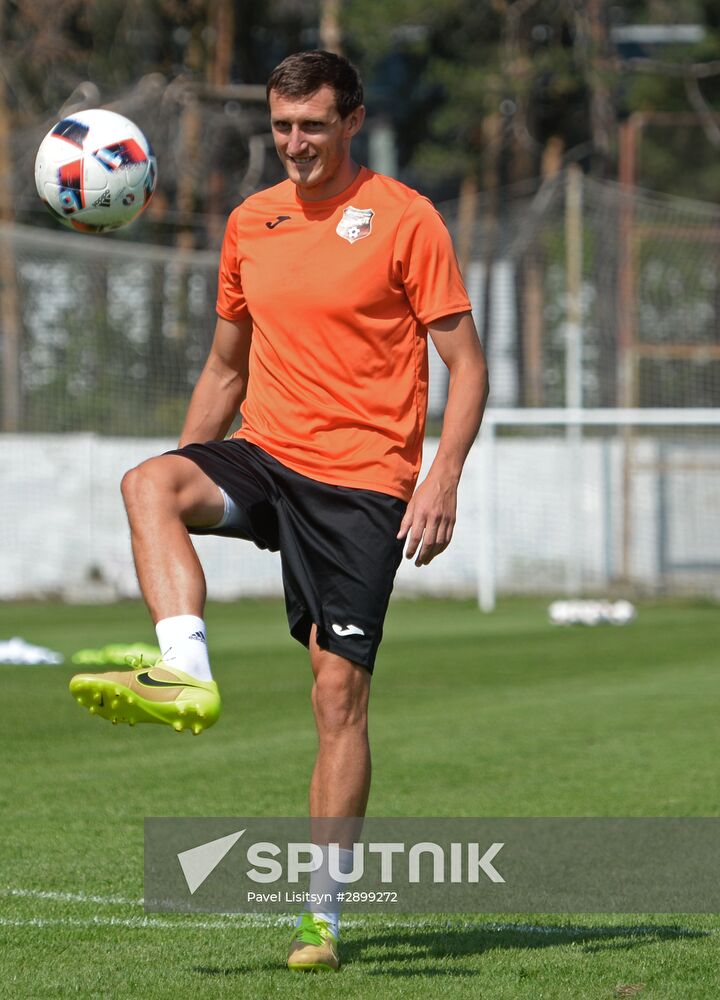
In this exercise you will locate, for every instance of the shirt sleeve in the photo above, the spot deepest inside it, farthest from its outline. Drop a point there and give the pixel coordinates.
(231, 302)
(426, 265)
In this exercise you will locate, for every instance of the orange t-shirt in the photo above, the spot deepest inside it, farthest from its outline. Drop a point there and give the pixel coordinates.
(340, 293)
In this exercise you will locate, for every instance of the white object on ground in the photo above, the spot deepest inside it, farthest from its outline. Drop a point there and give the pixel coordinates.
(587, 612)
(16, 650)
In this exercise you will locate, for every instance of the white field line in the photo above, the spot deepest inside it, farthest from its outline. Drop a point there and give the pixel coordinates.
(189, 921)
(69, 897)
(253, 920)
(267, 920)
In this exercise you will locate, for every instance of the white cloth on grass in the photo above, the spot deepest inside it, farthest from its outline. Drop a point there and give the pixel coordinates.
(17, 650)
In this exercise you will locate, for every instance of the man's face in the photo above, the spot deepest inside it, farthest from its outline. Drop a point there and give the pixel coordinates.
(313, 142)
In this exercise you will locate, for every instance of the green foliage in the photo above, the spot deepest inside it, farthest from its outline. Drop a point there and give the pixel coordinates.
(438, 70)
(552, 64)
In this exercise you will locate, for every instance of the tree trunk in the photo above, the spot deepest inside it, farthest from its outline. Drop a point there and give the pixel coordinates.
(10, 325)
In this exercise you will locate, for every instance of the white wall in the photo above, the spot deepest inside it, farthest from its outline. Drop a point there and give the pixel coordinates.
(548, 512)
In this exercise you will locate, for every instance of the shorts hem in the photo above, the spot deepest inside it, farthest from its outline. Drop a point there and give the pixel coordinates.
(300, 627)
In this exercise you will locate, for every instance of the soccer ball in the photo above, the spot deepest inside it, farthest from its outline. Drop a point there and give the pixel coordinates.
(95, 171)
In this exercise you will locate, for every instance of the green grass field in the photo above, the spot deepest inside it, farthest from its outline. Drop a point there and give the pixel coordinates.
(472, 715)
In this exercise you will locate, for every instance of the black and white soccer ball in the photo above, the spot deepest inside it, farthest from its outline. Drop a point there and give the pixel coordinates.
(95, 171)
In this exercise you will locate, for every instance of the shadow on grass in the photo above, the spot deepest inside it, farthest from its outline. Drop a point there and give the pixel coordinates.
(459, 941)
(450, 941)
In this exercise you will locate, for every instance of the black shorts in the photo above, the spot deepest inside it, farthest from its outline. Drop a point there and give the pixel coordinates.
(338, 545)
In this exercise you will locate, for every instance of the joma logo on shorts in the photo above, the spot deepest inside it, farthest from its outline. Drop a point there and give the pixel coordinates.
(348, 630)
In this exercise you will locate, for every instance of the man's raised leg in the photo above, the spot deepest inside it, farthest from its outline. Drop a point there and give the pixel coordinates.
(164, 496)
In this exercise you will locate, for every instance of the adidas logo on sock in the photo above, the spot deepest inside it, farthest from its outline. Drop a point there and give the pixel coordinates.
(199, 635)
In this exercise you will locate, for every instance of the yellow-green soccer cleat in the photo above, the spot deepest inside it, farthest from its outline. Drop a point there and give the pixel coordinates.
(149, 694)
(314, 947)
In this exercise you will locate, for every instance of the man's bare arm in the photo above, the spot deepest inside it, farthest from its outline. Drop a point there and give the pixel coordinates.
(430, 517)
(222, 384)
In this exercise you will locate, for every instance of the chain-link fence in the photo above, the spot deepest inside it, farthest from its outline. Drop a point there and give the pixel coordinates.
(586, 296)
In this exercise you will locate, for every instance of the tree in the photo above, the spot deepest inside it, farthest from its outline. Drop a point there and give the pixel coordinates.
(543, 69)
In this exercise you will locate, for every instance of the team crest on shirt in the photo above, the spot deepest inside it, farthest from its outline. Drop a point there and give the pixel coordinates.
(356, 224)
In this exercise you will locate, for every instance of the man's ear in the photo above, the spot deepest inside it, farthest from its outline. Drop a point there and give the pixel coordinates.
(354, 121)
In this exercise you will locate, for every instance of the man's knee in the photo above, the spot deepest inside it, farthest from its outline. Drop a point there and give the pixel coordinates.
(175, 486)
(144, 483)
(340, 696)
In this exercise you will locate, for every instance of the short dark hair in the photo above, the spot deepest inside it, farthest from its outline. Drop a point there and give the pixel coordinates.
(303, 73)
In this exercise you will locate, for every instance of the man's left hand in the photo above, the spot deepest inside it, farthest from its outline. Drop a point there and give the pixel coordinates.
(429, 520)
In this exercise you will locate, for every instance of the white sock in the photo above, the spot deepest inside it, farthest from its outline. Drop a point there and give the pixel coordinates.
(322, 883)
(183, 644)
